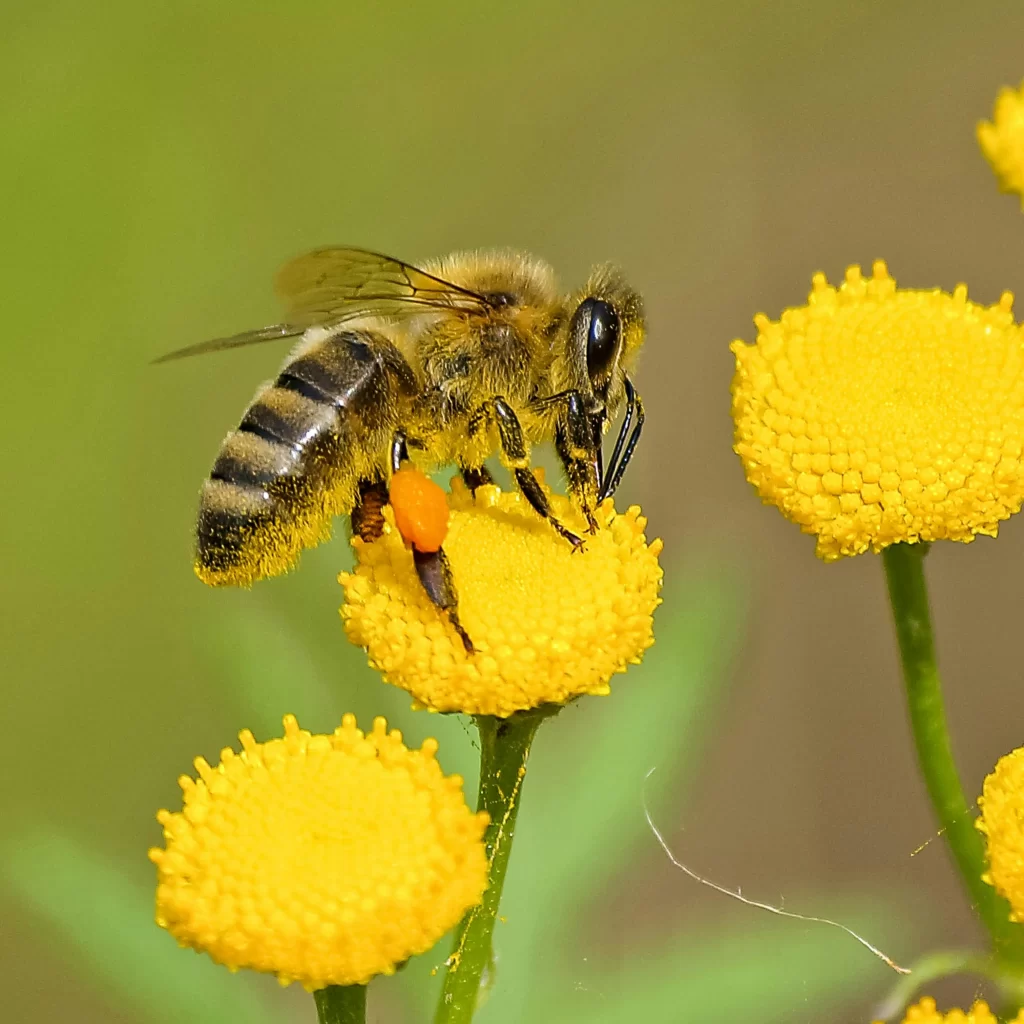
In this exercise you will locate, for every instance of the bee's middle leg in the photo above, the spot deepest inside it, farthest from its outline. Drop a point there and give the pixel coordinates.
(367, 513)
(475, 476)
(513, 448)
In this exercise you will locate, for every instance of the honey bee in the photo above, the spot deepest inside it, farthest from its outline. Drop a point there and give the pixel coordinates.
(473, 354)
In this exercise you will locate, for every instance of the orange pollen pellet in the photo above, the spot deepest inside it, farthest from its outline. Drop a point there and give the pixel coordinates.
(421, 509)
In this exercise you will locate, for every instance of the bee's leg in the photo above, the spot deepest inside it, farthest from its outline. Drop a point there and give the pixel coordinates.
(513, 447)
(625, 443)
(432, 567)
(435, 574)
(475, 476)
(367, 513)
(399, 450)
(578, 443)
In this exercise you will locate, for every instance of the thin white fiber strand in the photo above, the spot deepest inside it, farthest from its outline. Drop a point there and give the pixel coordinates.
(738, 895)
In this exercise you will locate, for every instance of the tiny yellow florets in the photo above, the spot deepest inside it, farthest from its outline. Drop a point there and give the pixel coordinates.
(322, 859)
(875, 414)
(547, 623)
(925, 1012)
(1002, 139)
(1002, 821)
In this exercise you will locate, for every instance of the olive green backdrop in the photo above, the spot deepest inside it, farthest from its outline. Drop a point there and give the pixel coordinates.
(161, 159)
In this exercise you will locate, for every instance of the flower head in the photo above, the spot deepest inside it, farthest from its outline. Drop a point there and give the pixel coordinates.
(876, 414)
(547, 623)
(1002, 821)
(1002, 139)
(322, 859)
(925, 1012)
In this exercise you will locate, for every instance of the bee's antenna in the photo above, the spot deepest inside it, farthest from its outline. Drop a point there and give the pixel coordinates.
(623, 452)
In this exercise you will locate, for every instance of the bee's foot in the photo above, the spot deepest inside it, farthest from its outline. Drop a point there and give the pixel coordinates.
(591, 522)
(476, 477)
(575, 540)
(463, 635)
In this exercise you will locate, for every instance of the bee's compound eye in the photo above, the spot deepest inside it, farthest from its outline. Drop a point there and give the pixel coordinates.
(601, 323)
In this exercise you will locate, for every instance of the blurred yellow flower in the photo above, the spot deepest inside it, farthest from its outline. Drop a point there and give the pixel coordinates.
(1002, 139)
(547, 623)
(1002, 821)
(925, 1012)
(876, 414)
(322, 859)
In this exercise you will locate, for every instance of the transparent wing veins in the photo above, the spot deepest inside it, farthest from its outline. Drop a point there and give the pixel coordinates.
(320, 284)
(331, 285)
(271, 333)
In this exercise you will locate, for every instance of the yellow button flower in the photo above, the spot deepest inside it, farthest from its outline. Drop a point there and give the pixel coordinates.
(925, 1012)
(876, 414)
(1002, 139)
(322, 859)
(1002, 821)
(547, 623)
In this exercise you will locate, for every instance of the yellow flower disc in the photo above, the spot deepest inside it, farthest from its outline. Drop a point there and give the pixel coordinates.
(875, 414)
(1002, 139)
(1002, 821)
(322, 859)
(925, 1012)
(547, 623)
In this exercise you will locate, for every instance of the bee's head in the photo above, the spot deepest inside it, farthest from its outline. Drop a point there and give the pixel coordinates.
(606, 330)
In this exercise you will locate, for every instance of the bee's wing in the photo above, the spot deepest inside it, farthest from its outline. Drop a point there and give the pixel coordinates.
(271, 333)
(329, 286)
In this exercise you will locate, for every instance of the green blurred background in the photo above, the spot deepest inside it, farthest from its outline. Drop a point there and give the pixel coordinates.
(159, 162)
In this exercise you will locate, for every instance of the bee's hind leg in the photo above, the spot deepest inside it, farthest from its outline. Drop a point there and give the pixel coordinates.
(432, 567)
(513, 447)
(435, 574)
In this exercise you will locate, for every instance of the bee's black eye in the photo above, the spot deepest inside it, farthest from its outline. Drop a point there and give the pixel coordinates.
(596, 321)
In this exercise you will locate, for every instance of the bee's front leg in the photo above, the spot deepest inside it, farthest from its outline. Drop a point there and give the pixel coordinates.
(578, 443)
(517, 456)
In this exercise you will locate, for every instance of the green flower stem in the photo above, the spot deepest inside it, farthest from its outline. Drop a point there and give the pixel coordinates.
(341, 1004)
(504, 748)
(937, 966)
(908, 595)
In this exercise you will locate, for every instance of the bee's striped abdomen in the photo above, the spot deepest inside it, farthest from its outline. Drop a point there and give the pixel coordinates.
(296, 457)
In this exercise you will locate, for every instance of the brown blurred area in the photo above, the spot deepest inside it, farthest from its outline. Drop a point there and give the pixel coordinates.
(162, 162)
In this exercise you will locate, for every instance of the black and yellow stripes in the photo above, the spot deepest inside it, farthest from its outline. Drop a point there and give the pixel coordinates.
(298, 454)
